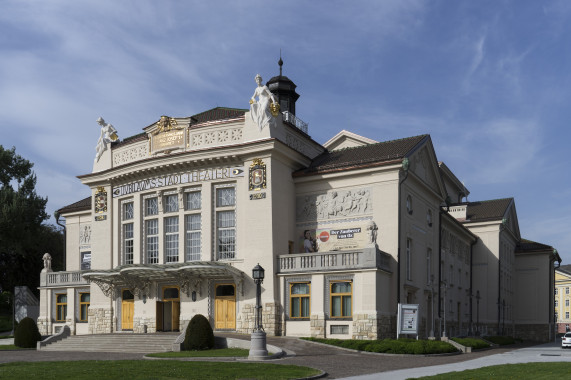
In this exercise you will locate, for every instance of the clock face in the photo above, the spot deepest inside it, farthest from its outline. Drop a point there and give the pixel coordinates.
(101, 202)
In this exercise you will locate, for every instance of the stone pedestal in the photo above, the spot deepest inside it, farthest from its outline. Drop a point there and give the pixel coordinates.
(258, 350)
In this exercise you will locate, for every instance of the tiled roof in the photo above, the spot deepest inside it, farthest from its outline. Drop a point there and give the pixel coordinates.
(386, 151)
(487, 210)
(82, 205)
(529, 246)
(565, 268)
(219, 113)
(132, 139)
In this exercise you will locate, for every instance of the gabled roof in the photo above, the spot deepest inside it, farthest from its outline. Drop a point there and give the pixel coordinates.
(219, 113)
(565, 269)
(362, 156)
(488, 210)
(349, 139)
(82, 205)
(532, 246)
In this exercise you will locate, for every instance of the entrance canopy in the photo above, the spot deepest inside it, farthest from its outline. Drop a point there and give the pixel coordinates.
(139, 277)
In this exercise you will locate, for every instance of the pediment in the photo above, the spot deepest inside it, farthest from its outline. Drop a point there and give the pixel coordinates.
(424, 165)
(346, 139)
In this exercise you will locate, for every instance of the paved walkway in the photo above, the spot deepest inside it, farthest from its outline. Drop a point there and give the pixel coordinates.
(340, 363)
(550, 352)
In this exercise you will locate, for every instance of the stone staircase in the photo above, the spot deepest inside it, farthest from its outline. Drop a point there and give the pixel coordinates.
(119, 342)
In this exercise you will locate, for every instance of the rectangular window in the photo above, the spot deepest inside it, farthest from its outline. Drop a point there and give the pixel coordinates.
(341, 294)
(566, 302)
(127, 210)
(555, 291)
(171, 239)
(299, 297)
(226, 222)
(171, 203)
(556, 303)
(128, 243)
(428, 265)
(152, 241)
(193, 236)
(61, 307)
(193, 200)
(408, 259)
(566, 290)
(84, 299)
(566, 315)
(339, 329)
(151, 206)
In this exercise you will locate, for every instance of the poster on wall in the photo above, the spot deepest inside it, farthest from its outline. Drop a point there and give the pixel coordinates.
(407, 319)
(337, 237)
(85, 260)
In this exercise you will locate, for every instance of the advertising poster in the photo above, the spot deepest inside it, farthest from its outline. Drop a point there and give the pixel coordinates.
(336, 237)
(408, 319)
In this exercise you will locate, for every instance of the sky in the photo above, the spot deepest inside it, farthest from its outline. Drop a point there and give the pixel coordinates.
(490, 81)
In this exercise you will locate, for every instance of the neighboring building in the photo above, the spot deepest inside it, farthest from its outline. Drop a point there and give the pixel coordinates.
(181, 213)
(563, 298)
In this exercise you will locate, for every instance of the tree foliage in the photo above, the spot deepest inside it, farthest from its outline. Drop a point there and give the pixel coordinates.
(23, 236)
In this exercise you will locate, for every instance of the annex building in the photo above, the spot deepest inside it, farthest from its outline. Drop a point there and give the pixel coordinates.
(562, 298)
(180, 214)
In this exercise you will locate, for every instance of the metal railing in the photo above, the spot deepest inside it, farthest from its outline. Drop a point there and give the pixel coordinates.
(290, 118)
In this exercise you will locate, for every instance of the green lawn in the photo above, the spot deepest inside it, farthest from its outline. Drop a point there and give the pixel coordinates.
(151, 369)
(535, 371)
(216, 353)
(9, 347)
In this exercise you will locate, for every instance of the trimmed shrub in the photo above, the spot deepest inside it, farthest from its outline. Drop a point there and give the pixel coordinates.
(475, 343)
(199, 334)
(392, 346)
(501, 340)
(27, 334)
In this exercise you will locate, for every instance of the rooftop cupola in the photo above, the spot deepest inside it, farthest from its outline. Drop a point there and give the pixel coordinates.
(284, 90)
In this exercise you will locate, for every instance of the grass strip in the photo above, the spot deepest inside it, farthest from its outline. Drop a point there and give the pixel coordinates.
(392, 346)
(216, 353)
(535, 371)
(151, 370)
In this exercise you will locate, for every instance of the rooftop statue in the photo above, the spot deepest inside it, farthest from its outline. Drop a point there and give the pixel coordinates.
(261, 111)
(108, 134)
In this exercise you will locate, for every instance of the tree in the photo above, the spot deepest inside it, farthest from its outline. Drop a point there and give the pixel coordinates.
(23, 237)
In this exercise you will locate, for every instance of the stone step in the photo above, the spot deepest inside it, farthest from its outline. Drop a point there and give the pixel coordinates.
(137, 343)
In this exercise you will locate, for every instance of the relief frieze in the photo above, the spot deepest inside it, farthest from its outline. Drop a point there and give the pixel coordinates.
(334, 204)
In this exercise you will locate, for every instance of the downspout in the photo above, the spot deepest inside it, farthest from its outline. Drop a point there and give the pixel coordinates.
(440, 211)
(471, 284)
(405, 166)
(57, 215)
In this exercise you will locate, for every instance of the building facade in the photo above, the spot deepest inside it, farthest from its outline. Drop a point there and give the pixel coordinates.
(180, 214)
(563, 298)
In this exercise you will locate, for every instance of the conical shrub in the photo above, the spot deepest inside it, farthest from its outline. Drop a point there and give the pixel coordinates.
(199, 334)
(27, 334)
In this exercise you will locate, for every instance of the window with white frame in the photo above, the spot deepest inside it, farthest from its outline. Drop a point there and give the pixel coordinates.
(193, 225)
(128, 233)
(408, 259)
(151, 230)
(556, 303)
(566, 315)
(170, 203)
(226, 222)
(566, 290)
(171, 239)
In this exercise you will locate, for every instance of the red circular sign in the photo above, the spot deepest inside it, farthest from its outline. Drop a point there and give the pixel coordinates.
(324, 236)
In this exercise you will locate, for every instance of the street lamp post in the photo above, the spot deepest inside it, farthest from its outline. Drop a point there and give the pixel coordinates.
(444, 285)
(258, 348)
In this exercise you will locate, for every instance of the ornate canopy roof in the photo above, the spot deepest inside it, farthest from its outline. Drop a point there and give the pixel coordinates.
(139, 277)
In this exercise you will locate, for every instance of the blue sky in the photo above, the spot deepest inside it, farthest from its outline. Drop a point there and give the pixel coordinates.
(488, 80)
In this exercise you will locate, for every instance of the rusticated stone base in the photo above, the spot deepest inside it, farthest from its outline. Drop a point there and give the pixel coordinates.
(100, 321)
(373, 326)
(317, 326)
(535, 332)
(139, 325)
(44, 326)
(271, 319)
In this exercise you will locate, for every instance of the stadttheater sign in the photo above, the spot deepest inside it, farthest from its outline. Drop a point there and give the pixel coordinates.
(195, 176)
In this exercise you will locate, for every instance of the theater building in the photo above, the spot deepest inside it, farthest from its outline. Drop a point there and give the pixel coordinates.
(180, 214)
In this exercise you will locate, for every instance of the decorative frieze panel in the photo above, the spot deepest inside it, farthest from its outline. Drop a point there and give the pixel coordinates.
(220, 137)
(333, 205)
(128, 155)
(295, 143)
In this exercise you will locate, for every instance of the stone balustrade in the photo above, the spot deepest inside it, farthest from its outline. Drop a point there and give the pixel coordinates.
(366, 258)
(52, 279)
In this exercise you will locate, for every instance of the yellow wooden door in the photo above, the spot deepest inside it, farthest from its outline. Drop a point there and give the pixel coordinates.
(175, 316)
(127, 309)
(225, 313)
